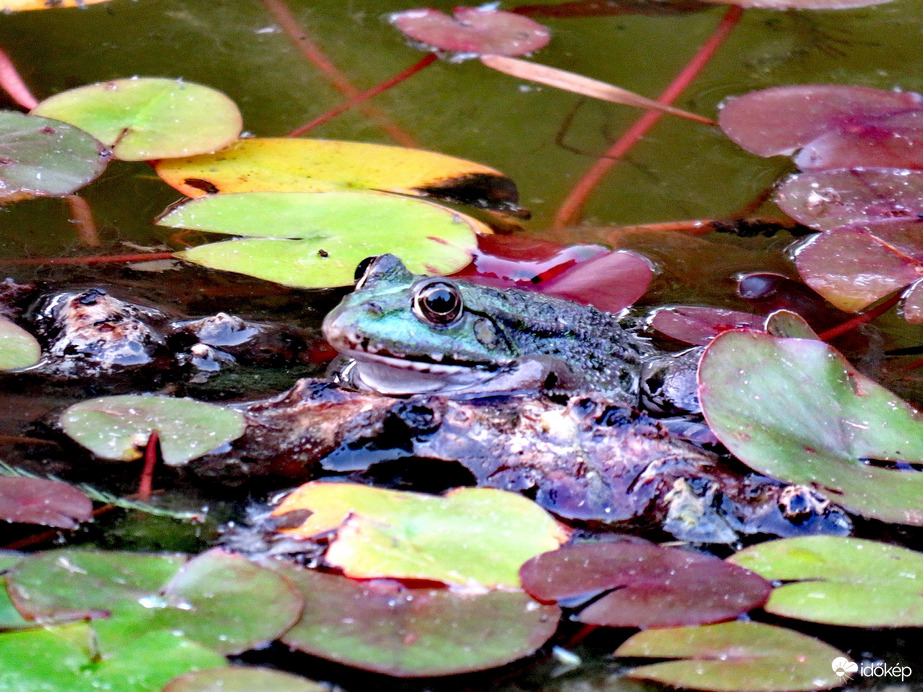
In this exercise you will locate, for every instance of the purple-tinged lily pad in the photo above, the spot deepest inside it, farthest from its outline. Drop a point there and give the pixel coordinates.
(118, 427)
(894, 141)
(644, 585)
(45, 158)
(18, 348)
(10, 617)
(383, 626)
(145, 118)
(695, 324)
(473, 30)
(854, 266)
(796, 410)
(912, 307)
(243, 679)
(840, 581)
(843, 196)
(780, 120)
(65, 659)
(218, 599)
(45, 502)
(734, 657)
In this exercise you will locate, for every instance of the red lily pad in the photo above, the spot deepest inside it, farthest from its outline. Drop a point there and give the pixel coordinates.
(243, 679)
(893, 140)
(217, 599)
(695, 324)
(843, 196)
(780, 120)
(734, 657)
(474, 30)
(796, 410)
(383, 626)
(644, 585)
(45, 502)
(854, 266)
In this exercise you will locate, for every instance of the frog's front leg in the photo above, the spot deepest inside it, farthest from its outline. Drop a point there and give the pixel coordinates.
(668, 383)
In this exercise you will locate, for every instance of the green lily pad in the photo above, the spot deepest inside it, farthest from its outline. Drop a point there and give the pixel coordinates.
(149, 118)
(118, 427)
(18, 348)
(734, 656)
(10, 617)
(469, 537)
(316, 239)
(383, 626)
(218, 599)
(243, 679)
(64, 659)
(796, 410)
(840, 581)
(45, 158)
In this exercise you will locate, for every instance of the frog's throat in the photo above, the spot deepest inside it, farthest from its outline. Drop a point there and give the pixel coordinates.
(389, 375)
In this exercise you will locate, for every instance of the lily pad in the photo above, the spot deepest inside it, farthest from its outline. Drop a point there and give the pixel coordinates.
(734, 656)
(840, 581)
(18, 348)
(318, 165)
(796, 410)
(698, 324)
(473, 30)
(468, 537)
(118, 427)
(10, 617)
(64, 659)
(854, 266)
(149, 118)
(912, 307)
(45, 158)
(243, 679)
(639, 584)
(383, 626)
(843, 196)
(45, 502)
(780, 120)
(218, 599)
(315, 240)
(891, 140)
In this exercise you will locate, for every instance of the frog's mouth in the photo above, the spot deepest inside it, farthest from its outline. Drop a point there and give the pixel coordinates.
(392, 375)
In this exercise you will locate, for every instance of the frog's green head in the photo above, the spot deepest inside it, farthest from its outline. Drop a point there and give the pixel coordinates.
(411, 333)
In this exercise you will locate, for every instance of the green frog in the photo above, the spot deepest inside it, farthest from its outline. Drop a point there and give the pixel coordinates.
(403, 333)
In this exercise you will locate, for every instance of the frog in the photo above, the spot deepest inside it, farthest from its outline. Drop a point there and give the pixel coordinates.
(401, 333)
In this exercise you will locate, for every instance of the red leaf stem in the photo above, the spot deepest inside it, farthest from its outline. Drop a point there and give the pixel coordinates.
(428, 59)
(150, 461)
(571, 208)
(312, 52)
(861, 318)
(12, 83)
(82, 217)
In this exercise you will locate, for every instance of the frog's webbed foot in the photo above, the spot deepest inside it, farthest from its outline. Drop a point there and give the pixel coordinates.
(668, 383)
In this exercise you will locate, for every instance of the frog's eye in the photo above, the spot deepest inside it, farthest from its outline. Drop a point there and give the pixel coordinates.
(437, 302)
(362, 269)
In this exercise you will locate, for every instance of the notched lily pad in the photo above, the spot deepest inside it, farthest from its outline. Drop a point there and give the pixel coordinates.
(385, 627)
(699, 324)
(316, 239)
(40, 157)
(643, 585)
(118, 427)
(149, 118)
(469, 537)
(45, 502)
(218, 599)
(316, 165)
(796, 410)
(840, 581)
(734, 657)
(65, 659)
(473, 30)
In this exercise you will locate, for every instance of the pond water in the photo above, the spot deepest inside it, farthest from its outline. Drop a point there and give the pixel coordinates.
(543, 139)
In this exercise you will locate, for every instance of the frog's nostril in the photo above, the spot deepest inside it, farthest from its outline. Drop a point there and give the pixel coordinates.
(375, 309)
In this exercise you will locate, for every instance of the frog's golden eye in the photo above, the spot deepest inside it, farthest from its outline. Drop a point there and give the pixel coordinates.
(437, 302)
